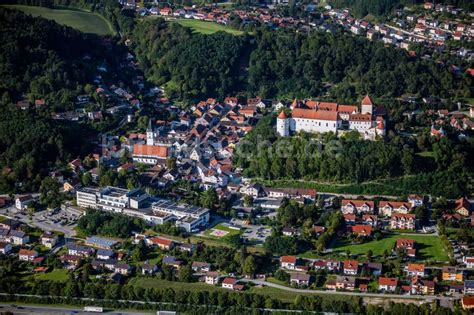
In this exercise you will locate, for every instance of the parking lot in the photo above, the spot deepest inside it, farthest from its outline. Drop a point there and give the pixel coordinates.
(252, 233)
(62, 219)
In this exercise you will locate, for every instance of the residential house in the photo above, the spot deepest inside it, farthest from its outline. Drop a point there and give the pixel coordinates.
(149, 269)
(123, 269)
(21, 202)
(229, 283)
(415, 200)
(71, 261)
(388, 284)
(388, 208)
(467, 303)
(352, 206)
(351, 267)
(198, 266)
(350, 219)
(5, 248)
(333, 265)
(49, 239)
(79, 250)
(162, 243)
(18, 237)
(415, 269)
(452, 274)
(407, 245)
(469, 287)
(171, 261)
(361, 230)
(463, 206)
(72, 185)
(420, 286)
(105, 254)
(402, 221)
(469, 262)
(370, 219)
(288, 262)
(212, 277)
(300, 279)
(289, 231)
(345, 283)
(27, 255)
(373, 268)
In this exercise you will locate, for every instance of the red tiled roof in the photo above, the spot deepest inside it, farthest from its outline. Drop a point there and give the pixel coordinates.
(282, 115)
(403, 242)
(150, 150)
(388, 281)
(27, 252)
(394, 204)
(229, 281)
(360, 117)
(351, 264)
(161, 241)
(312, 114)
(361, 229)
(288, 259)
(416, 267)
(357, 203)
(367, 101)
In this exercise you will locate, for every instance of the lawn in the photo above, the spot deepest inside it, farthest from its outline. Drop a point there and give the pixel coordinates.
(148, 282)
(428, 247)
(207, 28)
(145, 282)
(55, 275)
(83, 21)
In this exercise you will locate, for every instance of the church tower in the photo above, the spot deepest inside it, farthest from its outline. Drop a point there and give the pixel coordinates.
(150, 135)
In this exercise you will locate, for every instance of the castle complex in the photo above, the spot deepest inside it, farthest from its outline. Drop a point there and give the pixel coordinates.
(320, 117)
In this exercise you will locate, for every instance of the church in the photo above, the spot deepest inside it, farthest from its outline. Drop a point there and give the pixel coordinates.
(153, 152)
(320, 117)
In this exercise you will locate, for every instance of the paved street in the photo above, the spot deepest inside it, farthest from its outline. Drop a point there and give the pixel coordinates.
(64, 221)
(33, 309)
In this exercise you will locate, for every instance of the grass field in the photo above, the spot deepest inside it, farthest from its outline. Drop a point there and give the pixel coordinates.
(428, 247)
(143, 282)
(204, 27)
(86, 22)
(55, 275)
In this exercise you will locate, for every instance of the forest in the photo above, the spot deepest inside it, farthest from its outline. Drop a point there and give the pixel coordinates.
(352, 160)
(39, 59)
(360, 8)
(279, 64)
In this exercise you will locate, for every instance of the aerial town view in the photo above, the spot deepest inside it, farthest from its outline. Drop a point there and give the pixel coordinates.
(237, 157)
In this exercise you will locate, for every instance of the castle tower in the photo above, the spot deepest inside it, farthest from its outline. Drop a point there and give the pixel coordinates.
(283, 125)
(380, 126)
(150, 136)
(367, 105)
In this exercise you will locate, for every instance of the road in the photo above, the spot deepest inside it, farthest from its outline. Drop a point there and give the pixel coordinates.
(33, 309)
(428, 298)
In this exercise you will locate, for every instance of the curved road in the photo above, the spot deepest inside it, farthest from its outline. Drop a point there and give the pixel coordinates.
(361, 294)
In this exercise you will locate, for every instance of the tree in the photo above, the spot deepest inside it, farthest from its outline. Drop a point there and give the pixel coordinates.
(140, 251)
(49, 192)
(250, 267)
(86, 179)
(185, 273)
(209, 198)
(248, 200)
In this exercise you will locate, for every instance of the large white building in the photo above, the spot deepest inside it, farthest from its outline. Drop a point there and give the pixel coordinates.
(136, 203)
(321, 117)
(110, 198)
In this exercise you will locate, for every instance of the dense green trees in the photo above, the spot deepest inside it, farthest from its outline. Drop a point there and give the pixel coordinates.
(195, 66)
(108, 224)
(349, 160)
(284, 64)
